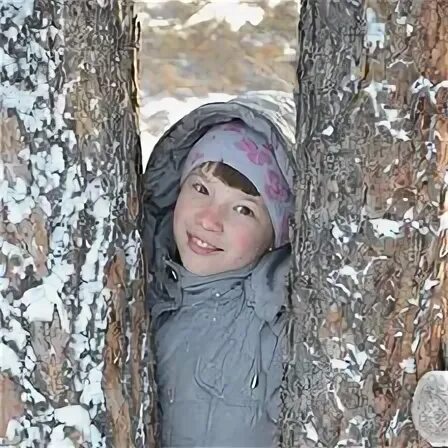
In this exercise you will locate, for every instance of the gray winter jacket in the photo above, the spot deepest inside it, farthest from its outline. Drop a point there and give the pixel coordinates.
(219, 338)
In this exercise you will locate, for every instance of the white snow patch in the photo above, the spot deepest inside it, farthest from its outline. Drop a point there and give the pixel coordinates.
(328, 131)
(336, 231)
(311, 432)
(56, 162)
(408, 365)
(9, 361)
(339, 364)
(78, 417)
(443, 222)
(415, 343)
(233, 12)
(41, 301)
(15, 333)
(349, 271)
(386, 228)
(430, 283)
(360, 356)
(92, 392)
(408, 215)
(376, 30)
(420, 83)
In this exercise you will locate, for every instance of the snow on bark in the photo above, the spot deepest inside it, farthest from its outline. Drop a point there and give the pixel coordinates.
(74, 360)
(369, 288)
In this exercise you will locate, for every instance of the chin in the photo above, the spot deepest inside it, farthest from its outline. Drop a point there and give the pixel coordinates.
(204, 265)
(199, 267)
(200, 264)
(199, 270)
(208, 268)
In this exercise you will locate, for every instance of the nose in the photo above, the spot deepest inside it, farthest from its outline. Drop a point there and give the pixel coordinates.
(210, 218)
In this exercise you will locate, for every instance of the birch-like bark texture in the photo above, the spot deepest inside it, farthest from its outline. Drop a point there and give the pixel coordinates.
(75, 370)
(369, 287)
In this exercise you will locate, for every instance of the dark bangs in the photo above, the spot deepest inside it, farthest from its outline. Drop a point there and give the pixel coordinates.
(230, 177)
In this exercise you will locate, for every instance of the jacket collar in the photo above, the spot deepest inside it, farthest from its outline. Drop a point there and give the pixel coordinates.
(264, 284)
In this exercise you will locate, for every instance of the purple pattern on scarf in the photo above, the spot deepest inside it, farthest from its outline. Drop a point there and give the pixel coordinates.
(253, 152)
(276, 188)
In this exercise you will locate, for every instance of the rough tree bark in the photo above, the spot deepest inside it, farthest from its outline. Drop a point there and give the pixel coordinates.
(74, 363)
(369, 286)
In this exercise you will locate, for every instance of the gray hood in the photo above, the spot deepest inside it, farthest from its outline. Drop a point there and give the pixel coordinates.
(271, 113)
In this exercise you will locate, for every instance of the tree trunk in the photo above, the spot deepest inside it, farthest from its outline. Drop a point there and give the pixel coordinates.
(75, 370)
(369, 287)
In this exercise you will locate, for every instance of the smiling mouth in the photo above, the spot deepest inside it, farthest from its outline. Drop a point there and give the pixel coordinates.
(201, 247)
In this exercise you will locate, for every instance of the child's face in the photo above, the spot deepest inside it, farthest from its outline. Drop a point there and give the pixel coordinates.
(218, 228)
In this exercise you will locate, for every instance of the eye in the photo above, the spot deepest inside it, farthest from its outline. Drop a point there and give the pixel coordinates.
(243, 210)
(200, 188)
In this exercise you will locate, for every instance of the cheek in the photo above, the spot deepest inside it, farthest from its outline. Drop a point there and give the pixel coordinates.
(177, 218)
(178, 223)
(245, 242)
(181, 211)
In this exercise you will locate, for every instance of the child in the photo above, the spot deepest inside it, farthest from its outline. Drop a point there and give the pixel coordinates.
(217, 204)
